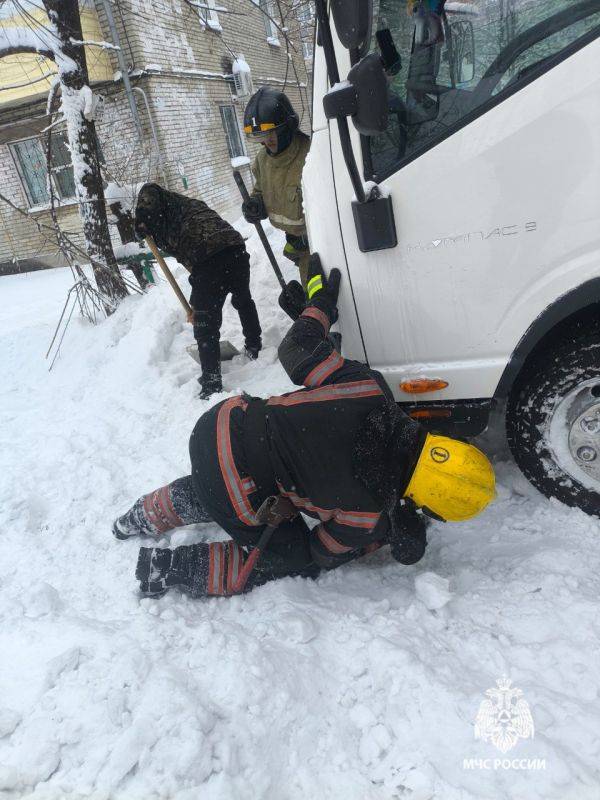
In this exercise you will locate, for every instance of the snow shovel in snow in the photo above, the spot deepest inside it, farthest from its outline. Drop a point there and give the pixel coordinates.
(228, 351)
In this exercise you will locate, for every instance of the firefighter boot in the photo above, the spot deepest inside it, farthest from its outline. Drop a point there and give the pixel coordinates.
(134, 523)
(253, 348)
(210, 383)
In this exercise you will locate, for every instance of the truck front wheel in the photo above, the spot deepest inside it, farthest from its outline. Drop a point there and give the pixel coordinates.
(553, 419)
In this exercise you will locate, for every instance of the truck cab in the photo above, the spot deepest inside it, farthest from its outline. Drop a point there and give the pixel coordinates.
(454, 178)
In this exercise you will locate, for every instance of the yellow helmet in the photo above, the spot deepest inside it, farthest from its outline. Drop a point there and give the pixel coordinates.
(452, 479)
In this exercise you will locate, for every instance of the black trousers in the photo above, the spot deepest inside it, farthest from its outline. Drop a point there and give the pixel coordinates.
(225, 273)
(177, 504)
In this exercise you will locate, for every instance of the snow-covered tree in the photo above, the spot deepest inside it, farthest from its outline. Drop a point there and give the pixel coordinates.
(59, 38)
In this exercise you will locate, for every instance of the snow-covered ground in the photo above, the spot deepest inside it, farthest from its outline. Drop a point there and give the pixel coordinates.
(363, 684)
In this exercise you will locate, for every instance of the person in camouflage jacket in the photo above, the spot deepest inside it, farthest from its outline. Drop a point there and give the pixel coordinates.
(215, 255)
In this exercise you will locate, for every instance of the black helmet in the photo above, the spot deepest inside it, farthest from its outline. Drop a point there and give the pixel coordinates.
(269, 110)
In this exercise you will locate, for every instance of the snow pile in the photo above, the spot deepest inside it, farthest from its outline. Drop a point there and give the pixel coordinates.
(432, 590)
(362, 684)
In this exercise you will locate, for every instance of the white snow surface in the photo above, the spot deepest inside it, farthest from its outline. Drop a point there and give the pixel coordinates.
(362, 684)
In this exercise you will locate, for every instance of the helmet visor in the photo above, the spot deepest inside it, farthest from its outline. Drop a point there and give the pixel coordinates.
(261, 131)
(431, 514)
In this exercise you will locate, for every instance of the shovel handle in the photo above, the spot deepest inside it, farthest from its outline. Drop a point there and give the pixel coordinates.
(237, 176)
(261, 234)
(168, 275)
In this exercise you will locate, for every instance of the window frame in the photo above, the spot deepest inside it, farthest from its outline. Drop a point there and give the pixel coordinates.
(306, 13)
(267, 11)
(208, 15)
(14, 151)
(231, 108)
(212, 17)
(535, 72)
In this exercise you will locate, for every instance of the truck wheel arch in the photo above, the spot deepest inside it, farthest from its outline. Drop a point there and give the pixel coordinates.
(566, 310)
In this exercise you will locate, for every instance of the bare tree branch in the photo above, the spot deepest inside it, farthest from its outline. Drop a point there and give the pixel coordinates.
(75, 248)
(10, 49)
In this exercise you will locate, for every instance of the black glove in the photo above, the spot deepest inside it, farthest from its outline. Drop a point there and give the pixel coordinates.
(159, 569)
(254, 209)
(407, 534)
(295, 247)
(292, 299)
(322, 291)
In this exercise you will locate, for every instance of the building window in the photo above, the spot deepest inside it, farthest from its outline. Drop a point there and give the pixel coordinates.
(235, 143)
(207, 13)
(211, 17)
(306, 18)
(267, 8)
(306, 13)
(30, 157)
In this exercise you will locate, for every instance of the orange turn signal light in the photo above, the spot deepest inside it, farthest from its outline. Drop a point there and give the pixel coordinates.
(430, 413)
(423, 385)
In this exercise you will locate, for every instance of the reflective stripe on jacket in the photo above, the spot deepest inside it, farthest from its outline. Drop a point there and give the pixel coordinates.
(278, 180)
(300, 444)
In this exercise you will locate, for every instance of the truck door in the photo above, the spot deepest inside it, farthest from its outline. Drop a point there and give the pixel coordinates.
(491, 108)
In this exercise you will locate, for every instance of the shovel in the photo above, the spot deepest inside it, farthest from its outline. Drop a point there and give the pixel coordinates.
(261, 234)
(228, 351)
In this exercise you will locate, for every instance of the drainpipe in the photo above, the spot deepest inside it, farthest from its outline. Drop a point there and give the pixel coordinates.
(161, 161)
(124, 72)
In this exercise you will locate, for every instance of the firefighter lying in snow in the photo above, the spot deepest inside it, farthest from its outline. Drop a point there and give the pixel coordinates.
(339, 451)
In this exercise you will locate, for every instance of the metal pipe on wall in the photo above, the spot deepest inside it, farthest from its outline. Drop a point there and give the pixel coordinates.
(124, 72)
(161, 160)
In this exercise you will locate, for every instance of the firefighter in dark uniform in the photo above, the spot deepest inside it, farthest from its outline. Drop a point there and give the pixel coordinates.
(339, 451)
(277, 169)
(215, 255)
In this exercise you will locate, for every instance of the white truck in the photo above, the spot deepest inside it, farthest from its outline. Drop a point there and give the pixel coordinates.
(462, 204)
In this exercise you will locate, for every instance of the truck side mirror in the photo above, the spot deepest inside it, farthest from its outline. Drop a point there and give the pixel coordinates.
(363, 96)
(352, 19)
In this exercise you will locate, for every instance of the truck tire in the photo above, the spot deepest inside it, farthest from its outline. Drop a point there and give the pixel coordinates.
(553, 419)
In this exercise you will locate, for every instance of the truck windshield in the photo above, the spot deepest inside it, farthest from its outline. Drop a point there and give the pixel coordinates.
(457, 56)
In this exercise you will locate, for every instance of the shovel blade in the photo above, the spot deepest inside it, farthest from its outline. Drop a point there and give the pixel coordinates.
(228, 351)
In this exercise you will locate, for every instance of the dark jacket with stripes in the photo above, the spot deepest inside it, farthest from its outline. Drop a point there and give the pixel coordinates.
(339, 448)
